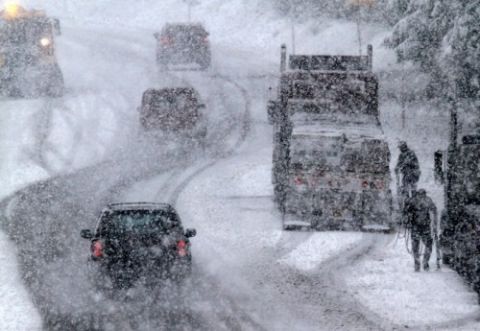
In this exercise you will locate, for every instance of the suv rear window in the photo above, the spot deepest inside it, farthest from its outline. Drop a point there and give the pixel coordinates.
(176, 108)
(138, 222)
(184, 30)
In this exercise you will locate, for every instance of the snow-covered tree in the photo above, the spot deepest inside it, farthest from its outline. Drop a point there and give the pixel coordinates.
(461, 54)
(442, 37)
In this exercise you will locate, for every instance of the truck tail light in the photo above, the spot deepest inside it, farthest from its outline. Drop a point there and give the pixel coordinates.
(299, 180)
(379, 184)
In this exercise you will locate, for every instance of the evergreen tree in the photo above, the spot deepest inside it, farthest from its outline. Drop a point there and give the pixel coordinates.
(442, 37)
(462, 52)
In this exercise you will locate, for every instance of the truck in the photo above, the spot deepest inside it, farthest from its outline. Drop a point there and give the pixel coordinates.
(330, 158)
(28, 65)
(458, 169)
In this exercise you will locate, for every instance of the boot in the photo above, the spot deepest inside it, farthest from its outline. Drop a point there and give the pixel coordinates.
(417, 266)
(426, 267)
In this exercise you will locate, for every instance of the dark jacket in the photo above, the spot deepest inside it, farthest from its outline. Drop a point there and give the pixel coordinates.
(408, 166)
(418, 210)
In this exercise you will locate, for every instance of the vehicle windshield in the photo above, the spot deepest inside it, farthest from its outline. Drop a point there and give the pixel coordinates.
(24, 32)
(135, 222)
(185, 31)
(175, 109)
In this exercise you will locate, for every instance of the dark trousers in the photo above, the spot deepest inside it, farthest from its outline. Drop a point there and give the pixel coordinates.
(426, 238)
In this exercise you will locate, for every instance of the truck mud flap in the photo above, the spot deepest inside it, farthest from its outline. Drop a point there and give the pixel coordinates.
(297, 226)
(377, 228)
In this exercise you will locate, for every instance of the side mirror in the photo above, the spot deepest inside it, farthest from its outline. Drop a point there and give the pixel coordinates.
(189, 233)
(156, 35)
(438, 167)
(272, 110)
(56, 26)
(86, 234)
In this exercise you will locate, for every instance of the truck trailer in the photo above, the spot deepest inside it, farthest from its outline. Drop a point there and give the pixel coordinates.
(330, 158)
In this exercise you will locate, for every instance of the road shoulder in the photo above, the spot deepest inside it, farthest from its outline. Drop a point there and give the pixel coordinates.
(386, 284)
(17, 311)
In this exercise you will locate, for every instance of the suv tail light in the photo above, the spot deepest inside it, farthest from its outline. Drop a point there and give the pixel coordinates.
(166, 40)
(97, 249)
(182, 248)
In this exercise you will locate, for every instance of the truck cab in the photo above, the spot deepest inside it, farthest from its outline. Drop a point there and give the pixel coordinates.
(28, 64)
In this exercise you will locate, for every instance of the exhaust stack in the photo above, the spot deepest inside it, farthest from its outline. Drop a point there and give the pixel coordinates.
(370, 56)
(283, 58)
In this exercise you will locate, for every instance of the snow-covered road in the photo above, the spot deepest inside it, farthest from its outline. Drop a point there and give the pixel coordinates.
(249, 274)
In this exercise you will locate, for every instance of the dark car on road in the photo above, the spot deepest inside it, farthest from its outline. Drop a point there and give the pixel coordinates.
(183, 43)
(139, 241)
(174, 110)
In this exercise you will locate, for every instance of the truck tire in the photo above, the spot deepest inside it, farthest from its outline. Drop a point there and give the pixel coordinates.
(446, 259)
(204, 62)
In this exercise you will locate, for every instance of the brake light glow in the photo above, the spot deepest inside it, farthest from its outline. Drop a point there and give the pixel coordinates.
(166, 40)
(378, 184)
(182, 248)
(299, 180)
(97, 249)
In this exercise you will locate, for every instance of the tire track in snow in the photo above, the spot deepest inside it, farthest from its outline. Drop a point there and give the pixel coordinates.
(244, 130)
(208, 285)
(42, 130)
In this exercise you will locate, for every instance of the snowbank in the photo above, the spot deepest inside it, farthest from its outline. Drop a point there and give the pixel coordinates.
(321, 246)
(14, 139)
(17, 312)
(388, 286)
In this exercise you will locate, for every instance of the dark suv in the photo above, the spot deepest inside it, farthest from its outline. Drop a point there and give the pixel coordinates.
(136, 241)
(174, 110)
(183, 43)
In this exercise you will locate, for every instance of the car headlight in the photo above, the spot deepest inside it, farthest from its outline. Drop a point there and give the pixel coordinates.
(45, 42)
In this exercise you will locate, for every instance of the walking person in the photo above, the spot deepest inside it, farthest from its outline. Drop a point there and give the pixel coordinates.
(421, 214)
(407, 172)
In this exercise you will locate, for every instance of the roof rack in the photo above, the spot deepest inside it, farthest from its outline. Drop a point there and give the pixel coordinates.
(141, 204)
